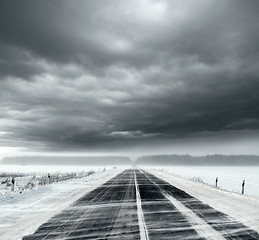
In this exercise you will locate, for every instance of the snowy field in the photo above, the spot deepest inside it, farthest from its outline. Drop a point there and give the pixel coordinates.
(29, 176)
(229, 178)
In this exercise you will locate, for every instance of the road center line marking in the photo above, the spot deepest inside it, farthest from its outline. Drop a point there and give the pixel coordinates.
(141, 219)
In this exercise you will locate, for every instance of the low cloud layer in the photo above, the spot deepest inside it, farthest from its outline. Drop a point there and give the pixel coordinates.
(83, 75)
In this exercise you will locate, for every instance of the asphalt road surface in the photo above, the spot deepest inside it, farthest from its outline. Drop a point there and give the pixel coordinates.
(138, 205)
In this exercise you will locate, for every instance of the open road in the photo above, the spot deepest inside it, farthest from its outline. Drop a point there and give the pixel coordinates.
(137, 205)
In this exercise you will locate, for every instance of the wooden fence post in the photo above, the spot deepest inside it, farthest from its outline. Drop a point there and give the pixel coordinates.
(243, 187)
(12, 186)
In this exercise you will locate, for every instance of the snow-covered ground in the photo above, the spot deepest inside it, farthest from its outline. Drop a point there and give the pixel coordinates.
(240, 207)
(230, 178)
(22, 213)
(27, 182)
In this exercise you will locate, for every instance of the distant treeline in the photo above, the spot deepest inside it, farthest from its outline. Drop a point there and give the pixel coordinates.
(61, 160)
(155, 160)
(209, 160)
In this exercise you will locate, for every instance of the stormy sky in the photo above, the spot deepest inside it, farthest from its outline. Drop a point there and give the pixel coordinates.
(111, 76)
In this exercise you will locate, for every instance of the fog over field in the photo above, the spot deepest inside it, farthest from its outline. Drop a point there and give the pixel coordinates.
(55, 160)
(149, 160)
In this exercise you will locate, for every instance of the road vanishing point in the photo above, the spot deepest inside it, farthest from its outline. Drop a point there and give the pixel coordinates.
(137, 205)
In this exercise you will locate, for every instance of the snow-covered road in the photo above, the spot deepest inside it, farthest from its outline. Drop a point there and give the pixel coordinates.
(136, 204)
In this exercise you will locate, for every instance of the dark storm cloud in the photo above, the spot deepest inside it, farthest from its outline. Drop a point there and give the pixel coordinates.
(95, 74)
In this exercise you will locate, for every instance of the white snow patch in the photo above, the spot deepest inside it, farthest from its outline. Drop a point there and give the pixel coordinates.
(230, 178)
